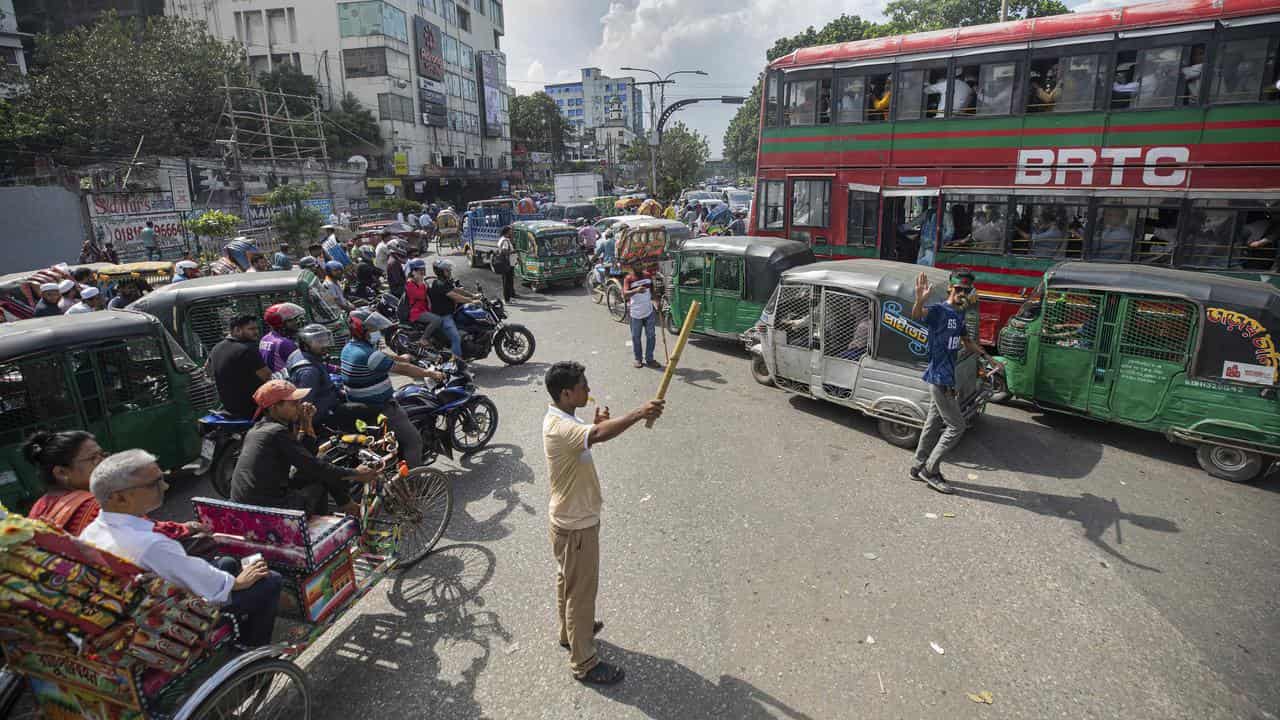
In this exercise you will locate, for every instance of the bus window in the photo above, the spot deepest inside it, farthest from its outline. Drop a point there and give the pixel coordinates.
(771, 207)
(978, 222)
(990, 89)
(851, 98)
(824, 101)
(863, 212)
(936, 93)
(1258, 241)
(800, 102)
(913, 99)
(771, 100)
(1246, 71)
(1066, 84)
(1048, 227)
(1159, 234)
(879, 95)
(1114, 233)
(1158, 77)
(1206, 239)
(810, 203)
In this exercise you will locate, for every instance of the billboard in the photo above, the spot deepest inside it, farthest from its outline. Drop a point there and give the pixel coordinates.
(427, 43)
(490, 95)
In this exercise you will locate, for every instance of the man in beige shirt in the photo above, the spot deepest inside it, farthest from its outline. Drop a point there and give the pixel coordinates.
(575, 512)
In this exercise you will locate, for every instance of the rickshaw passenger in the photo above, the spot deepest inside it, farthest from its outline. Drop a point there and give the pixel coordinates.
(129, 485)
(604, 255)
(49, 299)
(237, 367)
(278, 465)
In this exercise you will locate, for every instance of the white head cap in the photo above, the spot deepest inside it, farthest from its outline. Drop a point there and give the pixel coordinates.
(89, 293)
(66, 286)
(49, 287)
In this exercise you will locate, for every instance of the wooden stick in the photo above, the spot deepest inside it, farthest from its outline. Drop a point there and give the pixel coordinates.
(675, 356)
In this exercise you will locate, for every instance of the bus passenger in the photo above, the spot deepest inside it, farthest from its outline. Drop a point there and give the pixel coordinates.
(880, 104)
(1261, 237)
(1048, 234)
(961, 94)
(1114, 239)
(988, 229)
(1044, 91)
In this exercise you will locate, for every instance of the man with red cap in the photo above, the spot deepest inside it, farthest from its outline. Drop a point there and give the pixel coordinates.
(278, 464)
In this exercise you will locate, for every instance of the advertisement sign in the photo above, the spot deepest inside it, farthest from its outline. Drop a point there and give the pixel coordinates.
(435, 120)
(901, 338)
(431, 97)
(401, 160)
(180, 189)
(490, 96)
(1240, 344)
(130, 203)
(432, 85)
(126, 232)
(427, 44)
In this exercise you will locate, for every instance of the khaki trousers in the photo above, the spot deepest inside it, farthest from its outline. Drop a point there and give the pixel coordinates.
(577, 578)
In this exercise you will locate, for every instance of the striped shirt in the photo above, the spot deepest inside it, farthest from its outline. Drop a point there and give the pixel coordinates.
(365, 370)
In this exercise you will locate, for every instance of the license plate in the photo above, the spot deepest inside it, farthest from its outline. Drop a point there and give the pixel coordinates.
(207, 447)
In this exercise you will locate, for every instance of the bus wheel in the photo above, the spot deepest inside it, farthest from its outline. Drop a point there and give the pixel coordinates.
(904, 436)
(1229, 463)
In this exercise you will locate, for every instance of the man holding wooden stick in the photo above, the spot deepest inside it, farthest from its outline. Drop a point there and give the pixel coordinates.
(574, 512)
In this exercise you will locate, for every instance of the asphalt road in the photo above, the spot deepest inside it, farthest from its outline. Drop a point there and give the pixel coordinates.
(764, 556)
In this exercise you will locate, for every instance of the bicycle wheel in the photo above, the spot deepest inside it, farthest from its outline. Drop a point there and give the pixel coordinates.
(263, 690)
(417, 507)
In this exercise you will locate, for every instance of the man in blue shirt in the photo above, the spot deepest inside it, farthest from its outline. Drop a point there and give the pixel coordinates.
(366, 372)
(947, 333)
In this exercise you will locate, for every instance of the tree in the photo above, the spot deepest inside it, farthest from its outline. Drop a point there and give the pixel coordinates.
(294, 221)
(536, 123)
(680, 159)
(352, 129)
(907, 16)
(215, 224)
(98, 89)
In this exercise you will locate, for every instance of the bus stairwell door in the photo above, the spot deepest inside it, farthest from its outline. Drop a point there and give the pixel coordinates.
(1068, 343)
(1154, 346)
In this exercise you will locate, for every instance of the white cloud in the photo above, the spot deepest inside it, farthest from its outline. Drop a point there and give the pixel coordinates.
(563, 76)
(537, 72)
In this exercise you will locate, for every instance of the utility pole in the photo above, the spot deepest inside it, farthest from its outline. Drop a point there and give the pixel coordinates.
(653, 124)
(1004, 10)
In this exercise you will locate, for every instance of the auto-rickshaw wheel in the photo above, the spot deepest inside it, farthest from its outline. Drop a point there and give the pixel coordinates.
(473, 257)
(760, 371)
(669, 322)
(1229, 463)
(904, 436)
(270, 688)
(617, 304)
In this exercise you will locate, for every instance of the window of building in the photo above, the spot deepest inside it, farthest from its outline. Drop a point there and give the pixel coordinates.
(863, 214)
(495, 12)
(497, 44)
(450, 12)
(1069, 83)
(480, 6)
(771, 193)
(984, 89)
(364, 62)
(425, 6)
(810, 203)
(395, 107)
(975, 223)
(801, 102)
(1158, 77)
(468, 89)
(1247, 71)
(450, 45)
(455, 84)
(464, 20)
(468, 56)
(280, 26)
(372, 17)
(1048, 227)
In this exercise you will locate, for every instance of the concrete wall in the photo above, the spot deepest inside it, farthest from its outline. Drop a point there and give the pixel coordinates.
(43, 226)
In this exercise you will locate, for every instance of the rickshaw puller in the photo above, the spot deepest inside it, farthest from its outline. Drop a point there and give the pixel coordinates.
(947, 333)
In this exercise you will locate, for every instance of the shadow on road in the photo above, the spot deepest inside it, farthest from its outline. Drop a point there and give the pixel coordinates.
(1095, 514)
(493, 472)
(391, 662)
(693, 376)
(494, 376)
(1002, 443)
(526, 303)
(664, 689)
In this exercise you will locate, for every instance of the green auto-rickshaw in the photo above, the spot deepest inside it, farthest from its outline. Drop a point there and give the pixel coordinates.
(732, 277)
(548, 253)
(116, 373)
(1191, 355)
(197, 311)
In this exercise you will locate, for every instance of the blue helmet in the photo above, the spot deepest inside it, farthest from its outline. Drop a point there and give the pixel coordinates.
(309, 263)
(333, 267)
(417, 264)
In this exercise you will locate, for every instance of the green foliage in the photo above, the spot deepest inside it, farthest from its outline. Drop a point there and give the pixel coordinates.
(97, 89)
(741, 138)
(215, 224)
(352, 129)
(396, 204)
(842, 29)
(295, 221)
(680, 159)
(536, 123)
(296, 86)
(908, 16)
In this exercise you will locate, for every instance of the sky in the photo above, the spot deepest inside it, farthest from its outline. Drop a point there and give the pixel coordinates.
(549, 41)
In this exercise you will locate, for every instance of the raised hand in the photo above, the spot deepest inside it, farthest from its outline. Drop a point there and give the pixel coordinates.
(922, 285)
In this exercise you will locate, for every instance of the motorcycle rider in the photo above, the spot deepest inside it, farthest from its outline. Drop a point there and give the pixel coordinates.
(366, 371)
(332, 286)
(185, 270)
(739, 224)
(277, 345)
(445, 296)
(308, 369)
(368, 276)
(395, 267)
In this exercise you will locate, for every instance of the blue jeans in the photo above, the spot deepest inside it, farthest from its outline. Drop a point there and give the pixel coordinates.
(450, 329)
(153, 253)
(650, 325)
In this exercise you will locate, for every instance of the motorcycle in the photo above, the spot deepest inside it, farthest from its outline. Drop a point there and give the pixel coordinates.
(221, 436)
(482, 326)
(450, 416)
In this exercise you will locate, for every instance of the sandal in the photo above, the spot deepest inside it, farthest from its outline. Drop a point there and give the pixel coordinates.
(603, 674)
(596, 627)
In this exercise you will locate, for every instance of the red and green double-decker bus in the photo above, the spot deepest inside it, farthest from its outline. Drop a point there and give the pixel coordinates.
(1148, 134)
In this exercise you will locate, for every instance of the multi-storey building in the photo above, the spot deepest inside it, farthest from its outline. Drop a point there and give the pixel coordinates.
(432, 71)
(11, 55)
(599, 101)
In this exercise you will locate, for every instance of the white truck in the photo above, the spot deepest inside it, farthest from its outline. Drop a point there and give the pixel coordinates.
(578, 187)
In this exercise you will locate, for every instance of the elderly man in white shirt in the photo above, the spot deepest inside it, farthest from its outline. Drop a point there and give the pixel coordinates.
(130, 484)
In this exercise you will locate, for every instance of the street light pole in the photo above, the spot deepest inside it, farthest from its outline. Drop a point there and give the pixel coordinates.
(661, 82)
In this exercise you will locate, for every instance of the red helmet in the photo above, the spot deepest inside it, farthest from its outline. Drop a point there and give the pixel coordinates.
(362, 321)
(284, 317)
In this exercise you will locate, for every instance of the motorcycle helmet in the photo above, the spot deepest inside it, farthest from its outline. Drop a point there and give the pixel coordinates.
(186, 269)
(417, 264)
(315, 338)
(442, 267)
(284, 317)
(362, 321)
(309, 263)
(398, 247)
(333, 267)
(365, 253)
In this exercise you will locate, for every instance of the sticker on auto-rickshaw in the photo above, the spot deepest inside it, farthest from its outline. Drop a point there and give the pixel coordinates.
(1242, 343)
(901, 338)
